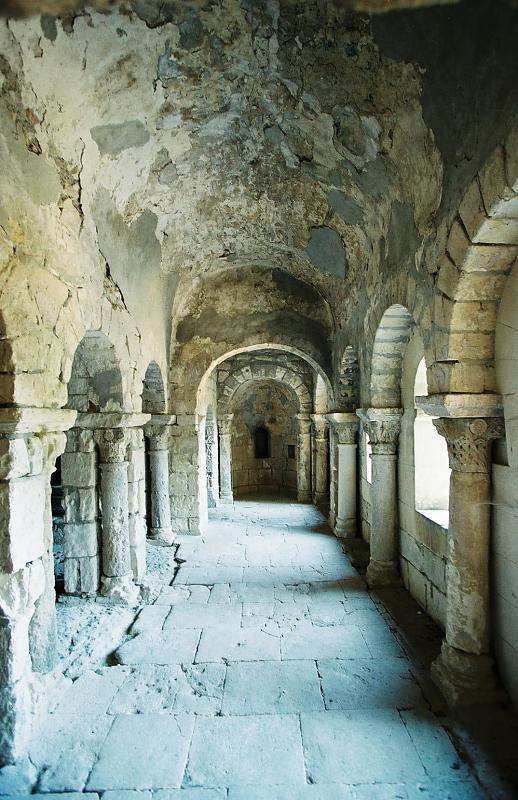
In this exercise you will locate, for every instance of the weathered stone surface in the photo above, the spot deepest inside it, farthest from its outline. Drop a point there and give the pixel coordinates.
(143, 751)
(272, 688)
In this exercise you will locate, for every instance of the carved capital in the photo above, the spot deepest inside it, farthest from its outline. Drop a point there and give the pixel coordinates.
(469, 441)
(53, 445)
(112, 443)
(345, 426)
(225, 424)
(383, 427)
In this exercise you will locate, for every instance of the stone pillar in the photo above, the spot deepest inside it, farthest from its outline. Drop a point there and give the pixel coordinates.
(345, 427)
(184, 472)
(157, 432)
(333, 476)
(81, 506)
(320, 459)
(42, 629)
(304, 458)
(464, 671)
(137, 516)
(225, 459)
(117, 576)
(211, 447)
(383, 425)
(23, 551)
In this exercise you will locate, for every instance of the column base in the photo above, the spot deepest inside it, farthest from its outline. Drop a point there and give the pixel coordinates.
(345, 528)
(382, 573)
(163, 536)
(226, 500)
(466, 679)
(120, 590)
(303, 497)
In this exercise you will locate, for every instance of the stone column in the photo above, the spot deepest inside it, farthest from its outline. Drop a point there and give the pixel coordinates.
(157, 432)
(225, 458)
(137, 517)
(211, 446)
(464, 671)
(42, 629)
(345, 427)
(320, 459)
(117, 577)
(304, 458)
(383, 425)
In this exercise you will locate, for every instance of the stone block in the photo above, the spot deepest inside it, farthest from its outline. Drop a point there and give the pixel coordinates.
(80, 505)
(14, 459)
(138, 561)
(14, 647)
(81, 539)
(16, 716)
(22, 505)
(78, 469)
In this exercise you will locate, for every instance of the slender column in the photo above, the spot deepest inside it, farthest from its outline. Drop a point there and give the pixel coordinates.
(225, 458)
(464, 670)
(383, 427)
(346, 427)
(157, 432)
(304, 458)
(117, 577)
(320, 459)
(42, 629)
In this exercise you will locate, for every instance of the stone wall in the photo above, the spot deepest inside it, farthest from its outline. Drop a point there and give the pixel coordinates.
(264, 405)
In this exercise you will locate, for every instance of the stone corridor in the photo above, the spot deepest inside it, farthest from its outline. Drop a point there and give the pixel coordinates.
(266, 671)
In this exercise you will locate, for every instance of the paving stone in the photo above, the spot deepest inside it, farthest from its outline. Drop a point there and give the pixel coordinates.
(202, 616)
(369, 683)
(354, 746)
(65, 750)
(189, 794)
(208, 575)
(151, 618)
(238, 644)
(258, 750)
(316, 792)
(125, 794)
(91, 693)
(436, 790)
(62, 796)
(315, 641)
(177, 647)
(143, 751)
(178, 595)
(433, 744)
(272, 688)
(223, 594)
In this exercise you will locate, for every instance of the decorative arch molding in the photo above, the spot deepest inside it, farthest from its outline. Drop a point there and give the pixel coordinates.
(255, 373)
(481, 248)
(202, 399)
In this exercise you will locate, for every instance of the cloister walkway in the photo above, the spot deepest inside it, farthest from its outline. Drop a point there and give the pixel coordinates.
(266, 671)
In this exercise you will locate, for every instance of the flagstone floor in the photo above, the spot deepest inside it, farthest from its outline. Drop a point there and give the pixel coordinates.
(266, 671)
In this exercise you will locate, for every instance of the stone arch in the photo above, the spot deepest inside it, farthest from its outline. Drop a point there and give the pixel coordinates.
(256, 373)
(153, 392)
(96, 379)
(202, 396)
(392, 336)
(481, 249)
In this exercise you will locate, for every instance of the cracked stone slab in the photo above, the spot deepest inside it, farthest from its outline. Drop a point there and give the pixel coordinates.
(143, 751)
(267, 687)
(255, 750)
(352, 746)
(151, 618)
(315, 641)
(369, 683)
(434, 790)
(208, 575)
(433, 744)
(189, 794)
(171, 689)
(238, 644)
(178, 595)
(90, 694)
(177, 647)
(65, 753)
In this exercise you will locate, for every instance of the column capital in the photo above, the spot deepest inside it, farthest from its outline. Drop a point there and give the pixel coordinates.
(53, 445)
(157, 430)
(473, 406)
(469, 441)
(225, 423)
(383, 427)
(345, 425)
(112, 444)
